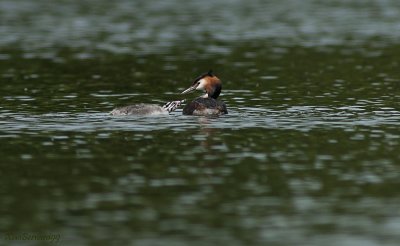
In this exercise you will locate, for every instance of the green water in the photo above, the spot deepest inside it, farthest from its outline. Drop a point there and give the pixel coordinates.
(308, 154)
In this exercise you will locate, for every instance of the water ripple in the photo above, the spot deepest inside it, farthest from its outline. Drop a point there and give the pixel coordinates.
(301, 118)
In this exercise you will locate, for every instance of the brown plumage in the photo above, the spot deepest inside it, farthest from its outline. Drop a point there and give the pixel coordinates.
(208, 103)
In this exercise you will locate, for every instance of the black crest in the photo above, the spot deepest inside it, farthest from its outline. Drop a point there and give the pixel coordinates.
(209, 73)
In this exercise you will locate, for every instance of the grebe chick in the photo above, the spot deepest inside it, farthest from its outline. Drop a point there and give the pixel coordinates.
(208, 103)
(147, 109)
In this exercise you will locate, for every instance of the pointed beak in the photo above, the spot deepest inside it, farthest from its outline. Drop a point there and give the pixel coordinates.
(190, 89)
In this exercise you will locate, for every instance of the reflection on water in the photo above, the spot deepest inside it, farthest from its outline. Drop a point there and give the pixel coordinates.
(308, 154)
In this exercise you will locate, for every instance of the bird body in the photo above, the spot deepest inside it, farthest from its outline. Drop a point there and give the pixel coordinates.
(205, 106)
(146, 109)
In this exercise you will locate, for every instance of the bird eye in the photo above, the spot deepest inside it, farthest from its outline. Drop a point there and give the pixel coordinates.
(196, 83)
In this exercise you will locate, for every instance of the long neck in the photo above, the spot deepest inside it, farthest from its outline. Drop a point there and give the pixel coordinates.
(214, 93)
(213, 89)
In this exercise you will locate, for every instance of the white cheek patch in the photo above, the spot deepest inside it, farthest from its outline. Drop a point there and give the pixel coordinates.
(202, 84)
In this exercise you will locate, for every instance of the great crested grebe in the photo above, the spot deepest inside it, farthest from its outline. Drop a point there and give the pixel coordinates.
(208, 103)
(147, 109)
